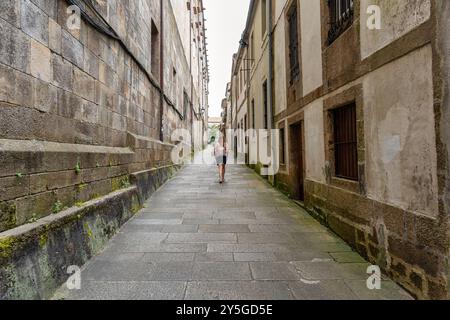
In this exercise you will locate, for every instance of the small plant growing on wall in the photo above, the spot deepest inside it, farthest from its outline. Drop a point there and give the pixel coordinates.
(125, 183)
(57, 207)
(78, 168)
(33, 218)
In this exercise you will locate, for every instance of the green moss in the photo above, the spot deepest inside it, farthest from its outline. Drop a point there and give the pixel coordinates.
(43, 238)
(120, 183)
(82, 186)
(7, 216)
(135, 206)
(283, 188)
(258, 167)
(7, 247)
(96, 196)
(79, 204)
(88, 231)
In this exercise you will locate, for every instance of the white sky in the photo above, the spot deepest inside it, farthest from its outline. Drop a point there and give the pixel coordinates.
(225, 23)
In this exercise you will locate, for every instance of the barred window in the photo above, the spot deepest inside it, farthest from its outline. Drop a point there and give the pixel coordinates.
(341, 17)
(345, 142)
(264, 17)
(155, 50)
(282, 146)
(293, 45)
(253, 115)
(266, 106)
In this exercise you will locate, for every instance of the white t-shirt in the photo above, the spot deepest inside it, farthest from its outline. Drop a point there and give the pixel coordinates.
(220, 150)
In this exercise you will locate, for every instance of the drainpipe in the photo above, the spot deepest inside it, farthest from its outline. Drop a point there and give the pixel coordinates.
(161, 72)
(248, 66)
(191, 102)
(270, 84)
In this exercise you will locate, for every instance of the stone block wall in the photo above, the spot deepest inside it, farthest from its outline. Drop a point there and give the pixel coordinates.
(79, 111)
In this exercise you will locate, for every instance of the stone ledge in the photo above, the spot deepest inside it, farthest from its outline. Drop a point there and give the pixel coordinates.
(48, 146)
(34, 258)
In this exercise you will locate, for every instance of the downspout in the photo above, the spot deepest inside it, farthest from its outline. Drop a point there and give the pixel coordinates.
(270, 86)
(270, 83)
(161, 72)
(246, 139)
(191, 102)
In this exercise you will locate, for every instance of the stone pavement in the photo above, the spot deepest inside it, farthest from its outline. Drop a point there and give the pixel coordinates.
(197, 239)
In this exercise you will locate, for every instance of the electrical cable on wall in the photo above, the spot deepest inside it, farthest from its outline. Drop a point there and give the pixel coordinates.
(96, 20)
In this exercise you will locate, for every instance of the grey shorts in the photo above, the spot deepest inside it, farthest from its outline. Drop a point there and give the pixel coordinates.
(221, 160)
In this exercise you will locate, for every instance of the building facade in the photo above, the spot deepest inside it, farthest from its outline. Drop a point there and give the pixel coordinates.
(90, 95)
(359, 92)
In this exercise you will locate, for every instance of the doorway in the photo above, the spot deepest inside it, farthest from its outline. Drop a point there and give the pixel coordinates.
(297, 162)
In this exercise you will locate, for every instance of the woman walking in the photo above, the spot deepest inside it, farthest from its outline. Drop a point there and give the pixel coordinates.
(221, 155)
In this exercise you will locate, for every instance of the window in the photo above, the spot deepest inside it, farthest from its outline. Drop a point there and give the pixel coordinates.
(242, 135)
(175, 85)
(253, 114)
(345, 142)
(155, 50)
(240, 81)
(264, 17)
(294, 63)
(282, 146)
(186, 105)
(341, 17)
(252, 49)
(265, 99)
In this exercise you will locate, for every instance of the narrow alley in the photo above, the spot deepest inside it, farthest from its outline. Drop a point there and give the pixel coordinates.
(330, 117)
(199, 240)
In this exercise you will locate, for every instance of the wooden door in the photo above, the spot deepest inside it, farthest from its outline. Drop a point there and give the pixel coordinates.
(296, 162)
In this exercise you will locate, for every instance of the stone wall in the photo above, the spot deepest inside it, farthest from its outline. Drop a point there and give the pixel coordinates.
(35, 259)
(79, 116)
(80, 110)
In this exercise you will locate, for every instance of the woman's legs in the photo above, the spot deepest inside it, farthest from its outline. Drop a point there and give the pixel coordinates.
(220, 172)
(223, 172)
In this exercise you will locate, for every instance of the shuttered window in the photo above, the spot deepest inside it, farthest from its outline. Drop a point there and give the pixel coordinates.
(345, 142)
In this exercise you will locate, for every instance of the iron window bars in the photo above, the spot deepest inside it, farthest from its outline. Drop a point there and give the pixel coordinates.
(341, 17)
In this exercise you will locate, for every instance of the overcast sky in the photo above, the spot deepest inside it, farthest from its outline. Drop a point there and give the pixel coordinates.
(225, 23)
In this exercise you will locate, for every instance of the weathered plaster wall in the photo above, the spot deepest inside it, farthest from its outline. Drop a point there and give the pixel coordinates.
(311, 45)
(314, 142)
(400, 135)
(397, 19)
